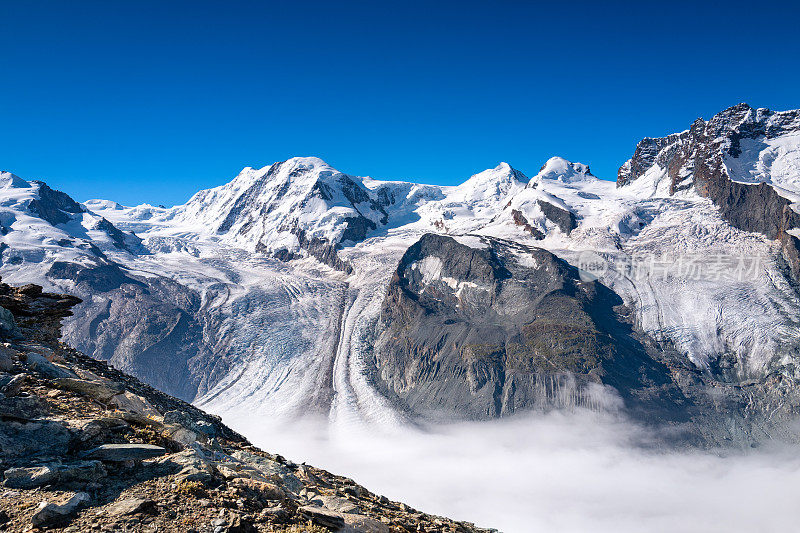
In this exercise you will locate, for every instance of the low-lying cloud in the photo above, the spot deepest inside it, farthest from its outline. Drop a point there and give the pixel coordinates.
(557, 472)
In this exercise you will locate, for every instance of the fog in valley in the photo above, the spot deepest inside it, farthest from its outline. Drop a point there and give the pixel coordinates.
(576, 471)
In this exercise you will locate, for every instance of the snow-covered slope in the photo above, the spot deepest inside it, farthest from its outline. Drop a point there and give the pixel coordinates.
(276, 207)
(39, 225)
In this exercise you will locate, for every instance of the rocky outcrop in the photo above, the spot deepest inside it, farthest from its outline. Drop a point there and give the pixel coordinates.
(54, 206)
(520, 220)
(324, 251)
(651, 151)
(99, 450)
(563, 218)
(700, 157)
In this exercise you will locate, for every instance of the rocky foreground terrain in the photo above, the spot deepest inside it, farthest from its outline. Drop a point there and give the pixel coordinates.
(85, 447)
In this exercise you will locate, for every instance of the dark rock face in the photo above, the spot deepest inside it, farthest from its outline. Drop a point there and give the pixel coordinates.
(54, 206)
(153, 331)
(520, 220)
(696, 158)
(104, 277)
(481, 333)
(565, 220)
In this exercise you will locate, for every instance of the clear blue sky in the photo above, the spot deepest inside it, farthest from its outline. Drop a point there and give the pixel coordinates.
(150, 101)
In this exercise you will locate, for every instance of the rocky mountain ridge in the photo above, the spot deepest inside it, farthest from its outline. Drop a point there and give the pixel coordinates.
(744, 159)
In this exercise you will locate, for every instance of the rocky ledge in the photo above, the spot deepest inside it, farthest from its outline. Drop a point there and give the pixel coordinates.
(85, 447)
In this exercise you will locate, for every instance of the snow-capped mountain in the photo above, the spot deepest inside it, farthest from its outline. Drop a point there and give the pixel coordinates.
(36, 219)
(299, 204)
(297, 288)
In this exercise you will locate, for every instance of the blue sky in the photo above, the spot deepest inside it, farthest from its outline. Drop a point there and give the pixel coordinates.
(150, 101)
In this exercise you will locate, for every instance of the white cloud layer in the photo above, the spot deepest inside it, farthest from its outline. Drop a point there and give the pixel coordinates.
(554, 473)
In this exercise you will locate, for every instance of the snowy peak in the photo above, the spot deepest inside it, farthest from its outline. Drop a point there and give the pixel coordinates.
(491, 184)
(12, 181)
(301, 205)
(559, 169)
(36, 199)
(36, 218)
(746, 144)
(746, 160)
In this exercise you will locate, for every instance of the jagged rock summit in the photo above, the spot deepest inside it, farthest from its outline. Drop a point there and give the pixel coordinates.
(745, 160)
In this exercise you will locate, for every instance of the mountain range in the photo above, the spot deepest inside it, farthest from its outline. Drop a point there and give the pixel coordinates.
(670, 295)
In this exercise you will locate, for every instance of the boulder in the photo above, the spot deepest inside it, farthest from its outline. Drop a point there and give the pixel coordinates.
(355, 523)
(34, 438)
(274, 513)
(14, 386)
(125, 452)
(229, 473)
(322, 517)
(196, 425)
(81, 471)
(93, 389)
(240, 524)
(48, 474)
(28, 478)
(128, 401)
(22, 407)
(138, 419)
(87, 430)
(179, 434)
(48, 514)
(267, 491)
(194, 466)
(131, 506)
(8, 327)
(39, 364)
(6, 359)
(338, 504)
